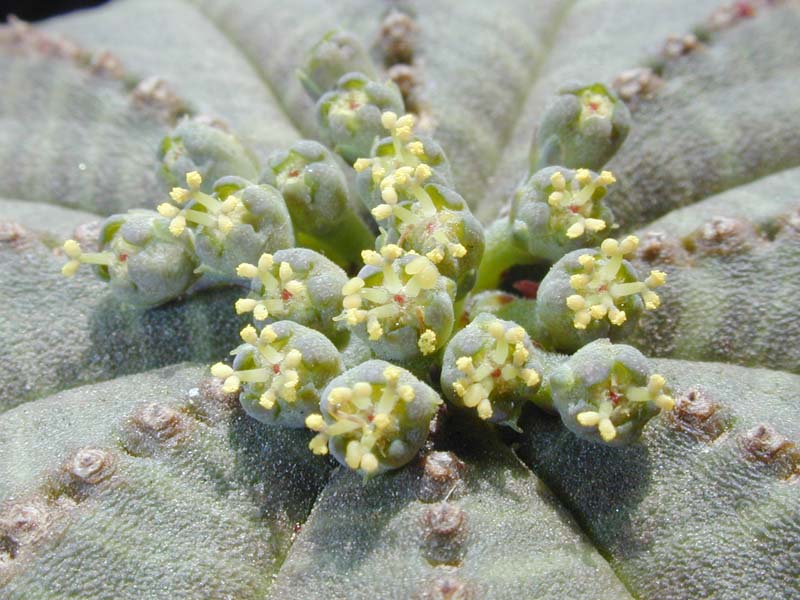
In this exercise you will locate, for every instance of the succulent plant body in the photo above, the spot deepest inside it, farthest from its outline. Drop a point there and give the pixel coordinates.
(451, 288)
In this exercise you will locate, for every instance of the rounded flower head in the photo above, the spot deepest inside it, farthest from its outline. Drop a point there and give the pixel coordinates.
(281, 372)
(607, 392)
(143, 262)
(583, 128)
(236, 224)
(590, 294)
(399, 304)
(296, 284)
(559, 210)
(350, 114)
(210, 151)
(335, 55)
(373, 418)
(491, 366)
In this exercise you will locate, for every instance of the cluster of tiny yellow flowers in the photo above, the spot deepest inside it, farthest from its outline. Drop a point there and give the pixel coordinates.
(393, 302)
(500, 366)
(571, 203)
(368, 416)
(279, 289)
(279, 376)
(600, 286)
(219, 215)
(616, 398)
(401, 179)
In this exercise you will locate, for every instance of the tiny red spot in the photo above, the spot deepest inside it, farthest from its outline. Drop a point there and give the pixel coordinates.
(276, 368)
(430, 227)
(575, 209)
(496, 373)
(745, 10)
(614, 397)
(400, 299)
(594, 105)
(123, 257)
(602, 288)
(294, 173)
(354, 105)
(286, 295)
(370, 418)
(298, 527)
(527, 288)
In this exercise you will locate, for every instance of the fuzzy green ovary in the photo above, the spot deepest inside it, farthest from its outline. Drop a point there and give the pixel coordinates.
(369, 418)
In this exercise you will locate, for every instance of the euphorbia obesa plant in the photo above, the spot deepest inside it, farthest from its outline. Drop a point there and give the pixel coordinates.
(472, 254)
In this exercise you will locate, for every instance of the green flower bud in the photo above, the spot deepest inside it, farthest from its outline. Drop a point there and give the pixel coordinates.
(558, 210)
(350, 114)
(592, 294)
(606, 393)
(374, 418)
(143, 262)
(197, 146)
(236, 224)
(281, 372)
(336, 54)
(399, 304)
(315, 191)
(491, 366)
(297, 284)
(583, 128)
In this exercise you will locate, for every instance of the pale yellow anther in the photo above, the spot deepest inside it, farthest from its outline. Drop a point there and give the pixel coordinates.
(557, 181)
(319, 444)
(362, 164)
(617, 317)
(422, 172)
(268, 399)
(582, 319)
(459, 388)
(583, 176)
(247, 271)
(194, 180)
(392, 252)
(293, 359)
(315, 422)
(249, 334)
(377, 173)
(351, 301)
(607, 430)
(369, 464)
(610, 247)
(606, 178)
(576, 230)
(457, 250)
(72, 249)
(167, 210)
(598, 311)
(515, 335)
(374, 330)
(231, 385)
(177, 226)
(221, 370)
(435, 256)
(530, 377)
(389, 195)
(392, 374)
(381, 212)
(70, 268)
(382, 421)
(265, 262)
(260, 312)
(294, 287)
(555, 198)
(485, 409)
(371, 258)
(406, 393)
(353, 286)
(244, 305)
(629, 245)
(268, 335)
(576, 302)
(664, 402)
(179, 195)
(464, 364)
(427, 342)
(656, 383)
(651, 300)
(496, 329)
(285, 271)
(407, 120)
(416, 148)
(594, 224)
(656, 279)
(225, 224)
(341, 395)
(521, 354)
(588, 418)
(389, 119)
(230, 204)
(586, 261)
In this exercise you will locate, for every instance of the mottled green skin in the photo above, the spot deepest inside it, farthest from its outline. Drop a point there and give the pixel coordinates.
(208, 513)
(59, 333)
(493, 555)
(681, 517)
(733, 284)
(726, 116)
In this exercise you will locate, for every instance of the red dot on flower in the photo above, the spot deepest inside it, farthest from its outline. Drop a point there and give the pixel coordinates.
(286, 295)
